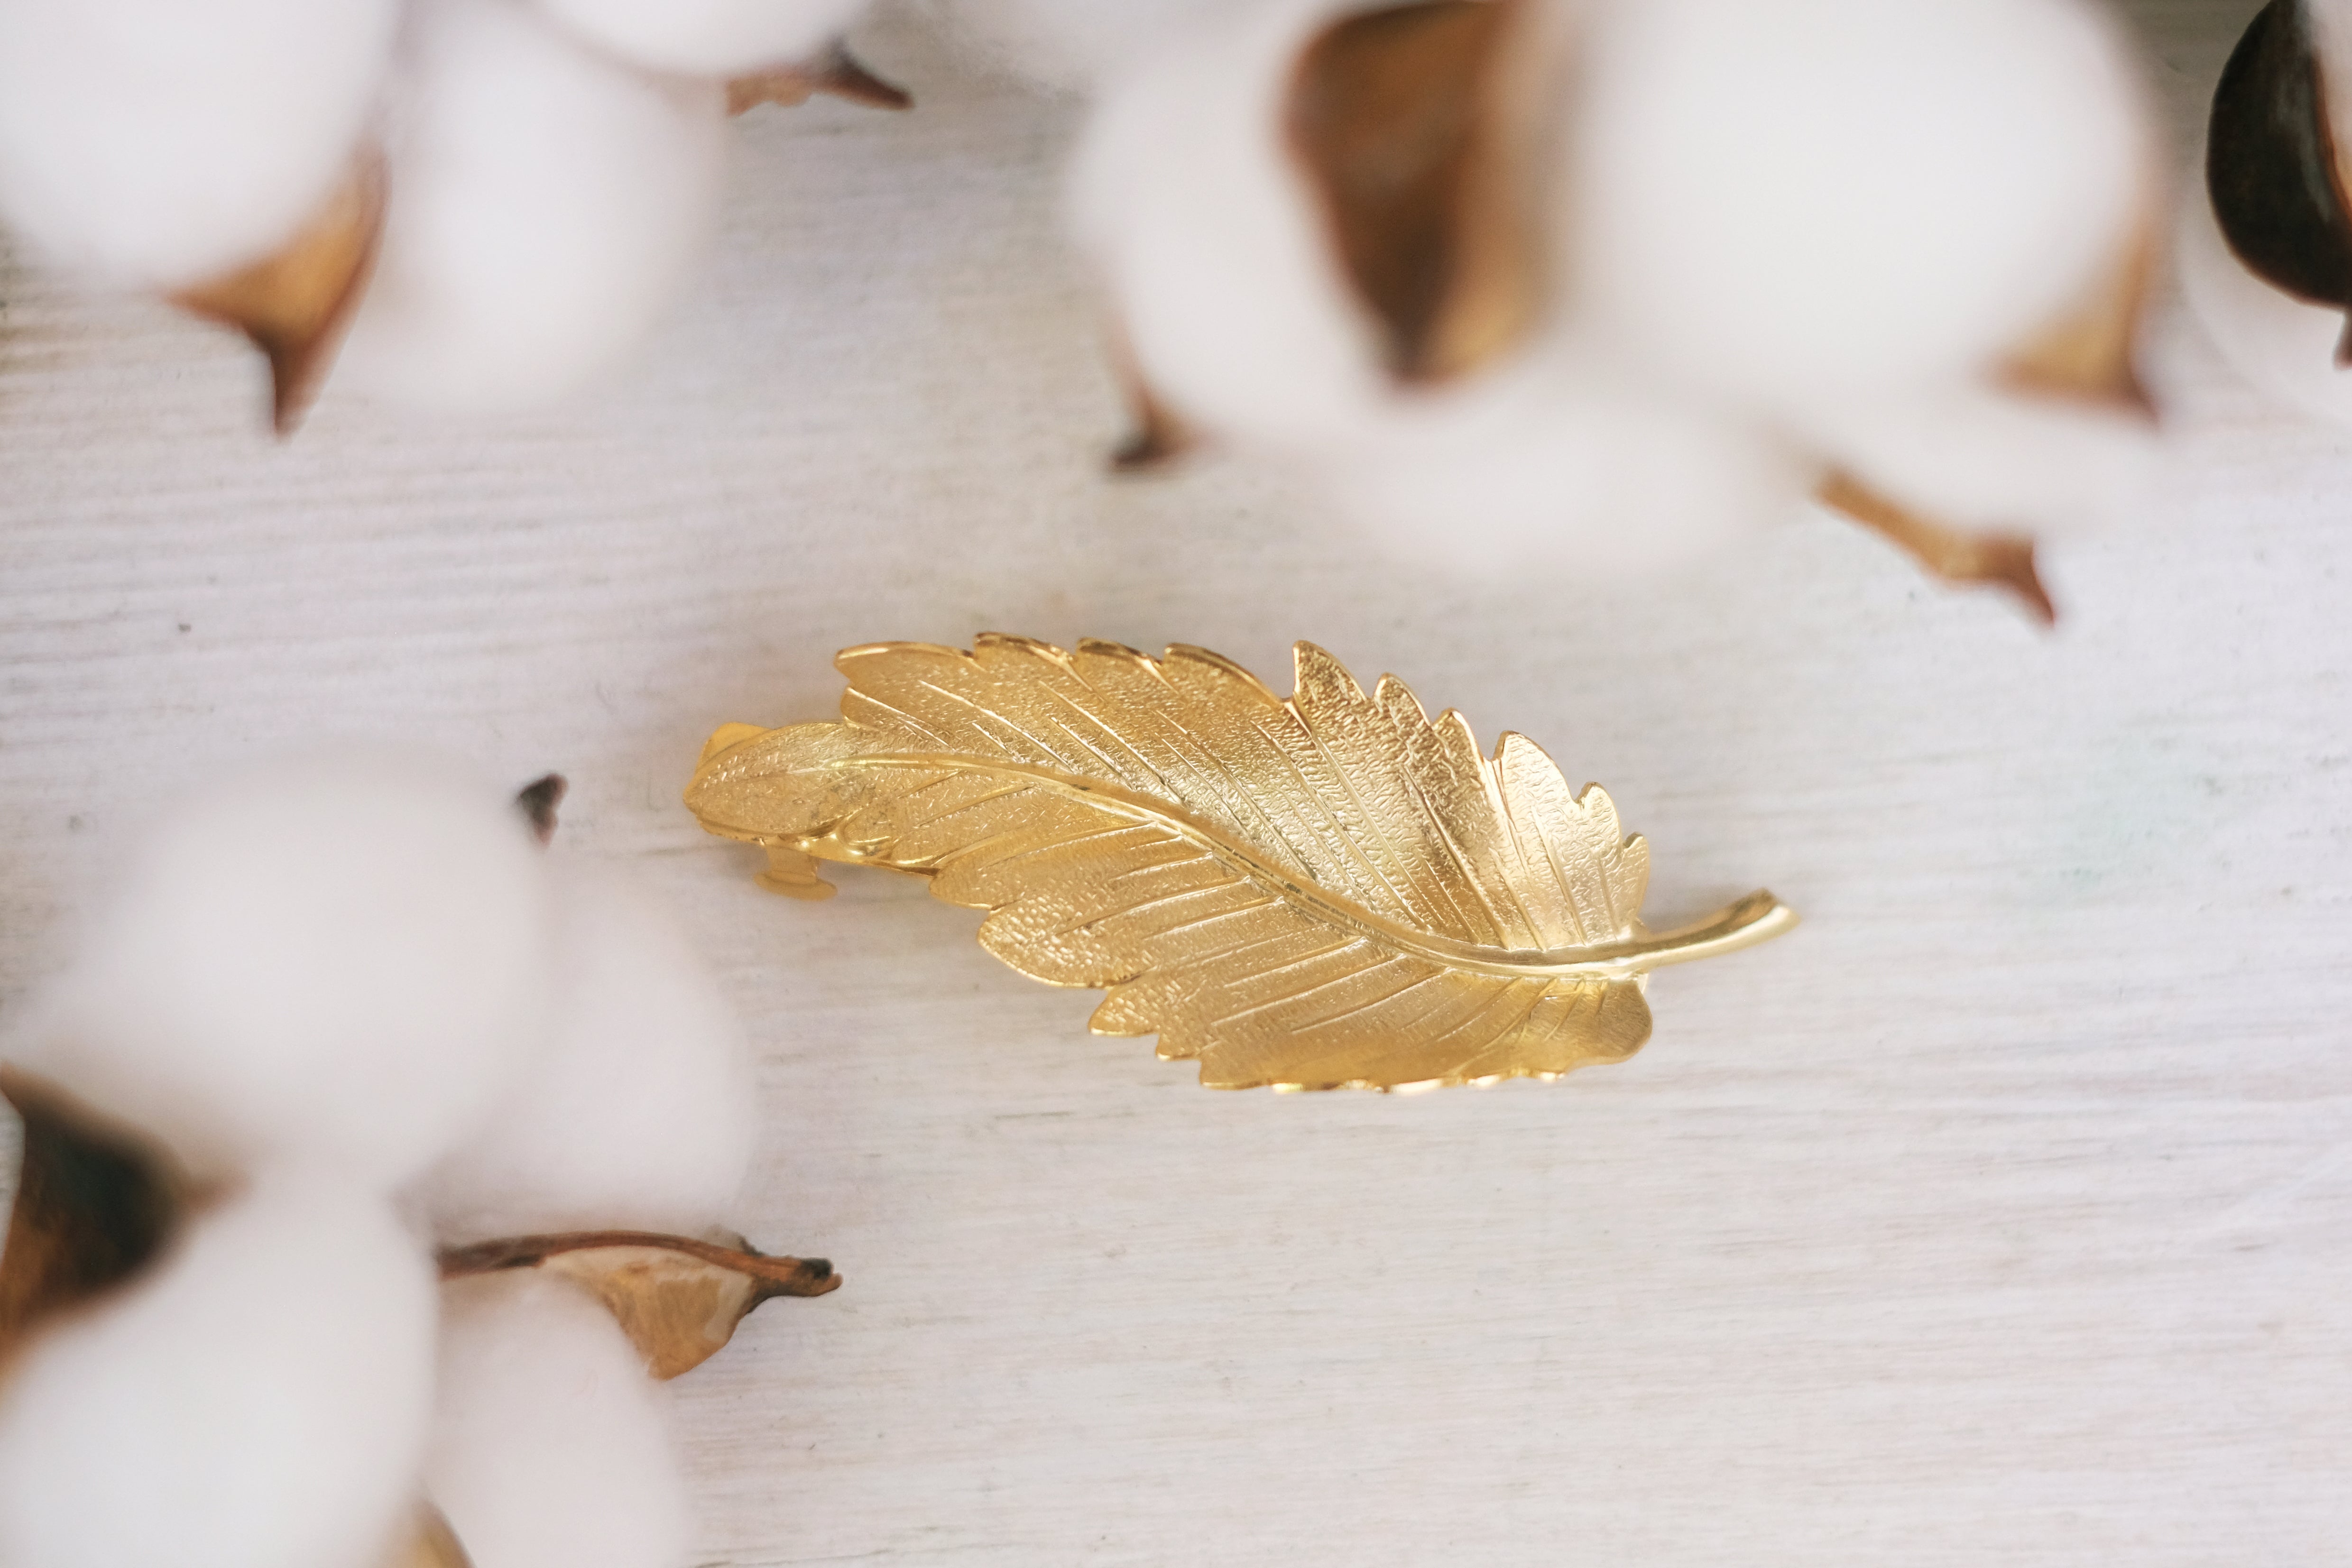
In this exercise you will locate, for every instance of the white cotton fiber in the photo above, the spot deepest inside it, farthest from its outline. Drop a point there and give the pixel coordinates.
(707, 38)
(1202, 230)
(1973, 456)
(552, 1446)
(1069, 46)
(2283, 345)
(259, 1401)
(1817, 197)
(547, 201)
(160, 142)
(344, 954)
(640, 1112)
(1554, 469)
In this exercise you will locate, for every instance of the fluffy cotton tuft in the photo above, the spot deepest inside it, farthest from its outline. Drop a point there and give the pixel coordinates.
(551, 1446)
(2284, 346)
(1203, 232)
(1976, 457)
(1547, 468)
(640, 1113)
(261, 1401)
(1069, 46)
(1818, 197)
(707, 38)
(158, 144)
(345, 956)
(546, 203)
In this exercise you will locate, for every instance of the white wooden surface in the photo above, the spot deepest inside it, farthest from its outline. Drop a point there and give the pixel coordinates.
(2002, 1213)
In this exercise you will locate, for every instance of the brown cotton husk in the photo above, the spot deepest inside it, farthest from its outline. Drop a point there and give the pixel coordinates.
(1156, 435)
(295, 303)
(428, 1542)
(1416, 126)
(836, 72)
(2000, 560)
(2275, 167)
(2090, 354)
(1156, 438)
(96, 1204)
(679, 1299)
(537, 801)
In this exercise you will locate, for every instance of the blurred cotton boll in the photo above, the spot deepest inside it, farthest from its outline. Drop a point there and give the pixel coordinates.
(259, 1401)
(640, 1112)
(345, 956)
(1816, 197)
(1542, 467)
(707, 38)
(551, 1446)
(2284, 346)
(157, 143)
(1200, 227)
(546, 203)
(1069, 46)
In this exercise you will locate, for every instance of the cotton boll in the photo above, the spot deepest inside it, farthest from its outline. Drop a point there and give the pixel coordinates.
(160, 142)
(546, 203)
(1974, 457)
(261, 1401)
(1542, 467)
(639, 1114)
(1069, 46)
(707, 38)
(551, 1446)
(1818, 197)
(1187, 202)
(345, 956)
(2284, 346)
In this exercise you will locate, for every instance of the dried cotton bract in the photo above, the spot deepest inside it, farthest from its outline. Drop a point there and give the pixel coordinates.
(1499, 270)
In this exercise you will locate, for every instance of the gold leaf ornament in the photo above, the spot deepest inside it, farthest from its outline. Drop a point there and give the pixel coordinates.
(1331, 891)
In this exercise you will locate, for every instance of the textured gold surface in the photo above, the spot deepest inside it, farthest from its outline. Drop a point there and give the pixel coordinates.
(1332, 891)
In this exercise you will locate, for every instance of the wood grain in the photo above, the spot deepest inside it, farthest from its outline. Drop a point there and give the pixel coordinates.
(2004, 1213)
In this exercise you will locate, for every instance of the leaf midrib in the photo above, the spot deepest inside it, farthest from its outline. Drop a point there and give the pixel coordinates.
(1743, 923)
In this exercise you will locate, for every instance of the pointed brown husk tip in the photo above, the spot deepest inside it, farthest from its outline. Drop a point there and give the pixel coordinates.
(1157, 438)
(835, 71)
(1997, 560)
(538, 800)
(2272, 163)
(295, 304)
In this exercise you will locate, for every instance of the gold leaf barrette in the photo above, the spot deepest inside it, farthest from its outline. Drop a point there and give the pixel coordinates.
(1329, 891)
